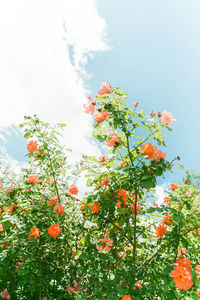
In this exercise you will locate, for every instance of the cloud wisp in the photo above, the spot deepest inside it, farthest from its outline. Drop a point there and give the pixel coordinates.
(44, 48)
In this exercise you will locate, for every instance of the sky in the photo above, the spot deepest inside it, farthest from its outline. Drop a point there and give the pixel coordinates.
(54, 54)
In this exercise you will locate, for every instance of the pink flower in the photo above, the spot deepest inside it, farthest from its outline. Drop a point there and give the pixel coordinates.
(5, 294)
(182, 251)
(152, 113)
(167, 118)
(102, 158)
(101, 116)
(89, 109)
(189, 194)
(114, 140)
(1, 228)
(105, 88)
(138, 284)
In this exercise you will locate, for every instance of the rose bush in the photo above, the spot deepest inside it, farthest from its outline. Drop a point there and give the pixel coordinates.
(109, 243)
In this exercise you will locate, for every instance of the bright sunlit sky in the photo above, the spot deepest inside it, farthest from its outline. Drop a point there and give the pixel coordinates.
(53, 54)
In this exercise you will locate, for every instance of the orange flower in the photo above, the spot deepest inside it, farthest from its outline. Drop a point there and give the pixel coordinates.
(159, 154)
(155, 204)
(161, 230)
(101, 116)
(135, 104)
(114, 141)
(126, 297)
(89, 109)
(167, 219)
(148, 149)
(185, 262)
(34, 233)
(102, 158)
(173, 186)
(182, 278)
(182, 251)
(1, 228)
(105, 181)
(33, 179)
(129, 247)
(105, 244)
(123, 194)
(152, 151)
(119, 203)
(197, 268)
(133, 207)
(53, 200)
(32, 146)
(12, 208)
(152, 113)
(138, 284)
(198, 293)
(73, 190)
(105, 88)
(166, 199)
(4, 245)
(95, 207)
(59, 208)
(54, 230)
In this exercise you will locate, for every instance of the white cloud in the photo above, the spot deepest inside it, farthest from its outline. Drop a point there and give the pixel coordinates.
(160, 193)
(37, 74)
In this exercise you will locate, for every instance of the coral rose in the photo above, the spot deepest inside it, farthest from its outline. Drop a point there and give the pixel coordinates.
(166, 199)
(182, 278)
(53, 200)
(198, 293)
(185, 262)
(114, 141)
(102, 158)
(197, 268)
(123, 194)
(33, 179)
(182, 251)
(161, 230)
(54, 230)
(133, 207)
(101, 116)
(59, 208)
(95, 207)
(105, 244)
(89, 109)
(105, 88)
(34, 233)
(167, 219)
(12, 208)
(152, 151)
(32, 146)
(105, 181)
(167, 118)
(126, 297)
(5, 294)
(1, 228)
(173, 186)
(73, 190)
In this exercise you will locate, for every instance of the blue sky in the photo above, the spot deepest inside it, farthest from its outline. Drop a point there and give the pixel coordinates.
(155, 58)
(150, 49)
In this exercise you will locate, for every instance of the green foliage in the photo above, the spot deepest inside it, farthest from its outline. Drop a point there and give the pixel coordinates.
(109, 244)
